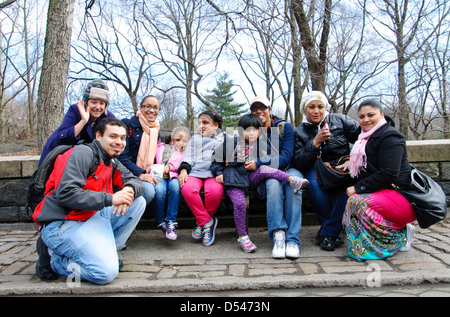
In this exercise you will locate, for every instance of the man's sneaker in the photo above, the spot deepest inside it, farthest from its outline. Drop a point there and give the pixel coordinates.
(340, 240)
(328, 244)
(209, 233)
(279, 247)
(246, 244)
(171, 230)
(197, 233)
(43, 268)
(409, 234)
(292, 250)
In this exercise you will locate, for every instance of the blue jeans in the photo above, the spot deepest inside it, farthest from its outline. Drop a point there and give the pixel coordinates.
(149, 193)
(172, 187)
(329, 213)
(284, 208)
(88, 249)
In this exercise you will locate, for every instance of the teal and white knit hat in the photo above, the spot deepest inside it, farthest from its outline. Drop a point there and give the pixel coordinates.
(96, 89)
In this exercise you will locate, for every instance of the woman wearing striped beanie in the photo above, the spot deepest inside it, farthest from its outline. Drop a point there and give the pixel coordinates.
(78, 125)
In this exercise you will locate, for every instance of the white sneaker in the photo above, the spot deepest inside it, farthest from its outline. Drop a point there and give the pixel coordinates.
(409, 234)
(292, 250)
(279, 247)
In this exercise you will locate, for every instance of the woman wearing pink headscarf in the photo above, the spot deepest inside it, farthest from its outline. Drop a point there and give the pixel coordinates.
(377, 218)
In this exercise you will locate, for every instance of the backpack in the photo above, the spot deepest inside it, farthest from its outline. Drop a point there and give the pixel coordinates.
(280, 126)
(36, 187)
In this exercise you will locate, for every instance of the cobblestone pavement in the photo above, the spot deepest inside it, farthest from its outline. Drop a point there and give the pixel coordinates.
(155, 266)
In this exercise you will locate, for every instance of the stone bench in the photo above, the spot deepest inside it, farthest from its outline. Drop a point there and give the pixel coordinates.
(431, 157)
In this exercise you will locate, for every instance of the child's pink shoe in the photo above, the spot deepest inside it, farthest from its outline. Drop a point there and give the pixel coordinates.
(246, 244)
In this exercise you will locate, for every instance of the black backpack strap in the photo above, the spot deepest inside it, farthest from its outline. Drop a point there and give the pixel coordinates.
(94, 163)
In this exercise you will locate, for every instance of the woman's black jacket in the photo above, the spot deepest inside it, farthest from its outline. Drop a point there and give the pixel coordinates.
(387, 161)
(344, 130)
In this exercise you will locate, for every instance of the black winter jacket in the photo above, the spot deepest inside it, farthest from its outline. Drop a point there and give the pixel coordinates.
(226, 163)
(387, 161)
(344, 130)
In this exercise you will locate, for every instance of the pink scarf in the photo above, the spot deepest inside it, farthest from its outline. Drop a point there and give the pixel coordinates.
(358, 159)
(149, 142)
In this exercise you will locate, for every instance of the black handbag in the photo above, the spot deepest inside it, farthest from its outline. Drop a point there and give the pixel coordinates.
(426, 197)
(331, 178)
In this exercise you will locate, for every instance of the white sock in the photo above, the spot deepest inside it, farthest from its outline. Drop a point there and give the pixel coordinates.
(208, 224)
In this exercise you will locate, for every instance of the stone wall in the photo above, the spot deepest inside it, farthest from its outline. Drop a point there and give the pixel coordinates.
(431, 157)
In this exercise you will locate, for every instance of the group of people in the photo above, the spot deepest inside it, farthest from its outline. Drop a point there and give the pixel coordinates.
(86, 217)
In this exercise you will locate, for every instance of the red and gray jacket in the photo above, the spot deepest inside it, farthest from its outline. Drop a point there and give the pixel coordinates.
(75, 193)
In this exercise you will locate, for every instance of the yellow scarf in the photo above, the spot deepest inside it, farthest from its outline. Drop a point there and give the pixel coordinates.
(149, 142)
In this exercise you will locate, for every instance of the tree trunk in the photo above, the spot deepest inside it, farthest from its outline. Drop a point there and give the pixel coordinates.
(296, 66)
(52, 85)
(316, 60)
(402, 101)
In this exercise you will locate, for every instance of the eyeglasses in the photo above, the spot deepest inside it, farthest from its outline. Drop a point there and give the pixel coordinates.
(150, 107)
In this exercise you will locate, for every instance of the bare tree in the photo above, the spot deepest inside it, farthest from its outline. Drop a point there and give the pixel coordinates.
(267, 25)
(187, 40)
(4, 4)
(54, 68)
(438, 70)
(32, 58)
(110, 46)
(399, 23)
(299, 85)
(11, 74)
(316, 56)
(263, 50)
(353, 66)
(171, 109)
(20, 55)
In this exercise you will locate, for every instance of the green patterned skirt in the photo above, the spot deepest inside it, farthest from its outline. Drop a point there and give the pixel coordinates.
(369, 235)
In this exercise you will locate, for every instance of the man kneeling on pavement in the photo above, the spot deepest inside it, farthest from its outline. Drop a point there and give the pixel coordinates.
(85, 219)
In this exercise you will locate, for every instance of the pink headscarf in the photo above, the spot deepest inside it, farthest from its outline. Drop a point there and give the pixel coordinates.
(358, 159)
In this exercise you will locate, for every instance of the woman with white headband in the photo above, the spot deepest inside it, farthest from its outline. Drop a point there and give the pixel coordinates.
(327, 135)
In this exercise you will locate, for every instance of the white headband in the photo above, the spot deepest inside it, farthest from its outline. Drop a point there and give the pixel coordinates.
(311, 96)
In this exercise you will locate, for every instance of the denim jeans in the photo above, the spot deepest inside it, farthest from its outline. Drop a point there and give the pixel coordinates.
(284, 208)
(88, 249)
(172, 188)
(149, 193)
(328, 212)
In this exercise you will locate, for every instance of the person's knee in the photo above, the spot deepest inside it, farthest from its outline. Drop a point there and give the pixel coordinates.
(149, 193)
(103, 274)
(273, 187)
(174, 186)
(240, 205)
(140, 204)
(188, 191)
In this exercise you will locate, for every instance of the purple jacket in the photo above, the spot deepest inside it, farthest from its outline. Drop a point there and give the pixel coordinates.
(65, 133)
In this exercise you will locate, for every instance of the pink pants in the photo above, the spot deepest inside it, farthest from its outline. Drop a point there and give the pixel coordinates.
(393, 207)
(213, 197)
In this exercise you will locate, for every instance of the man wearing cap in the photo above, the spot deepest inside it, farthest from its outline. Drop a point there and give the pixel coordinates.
(283, 205)
(79, 123)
